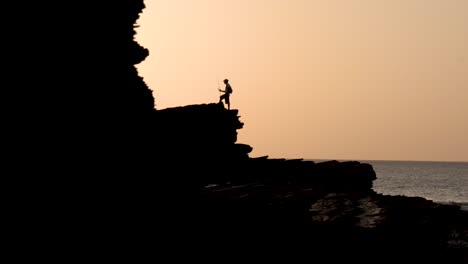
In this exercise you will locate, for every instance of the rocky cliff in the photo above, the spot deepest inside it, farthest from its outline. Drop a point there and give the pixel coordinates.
(96, 168)
(285, 207)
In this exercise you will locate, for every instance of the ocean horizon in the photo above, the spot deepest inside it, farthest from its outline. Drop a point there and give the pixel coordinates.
(444, 182)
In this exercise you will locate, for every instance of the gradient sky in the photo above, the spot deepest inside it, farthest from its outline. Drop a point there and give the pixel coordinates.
(320, 79)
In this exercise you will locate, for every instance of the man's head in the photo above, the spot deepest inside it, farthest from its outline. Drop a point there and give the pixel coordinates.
(226, 81)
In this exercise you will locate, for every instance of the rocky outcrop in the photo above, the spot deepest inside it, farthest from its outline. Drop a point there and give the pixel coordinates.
(96, 165)
(200, 132)
(327, 210)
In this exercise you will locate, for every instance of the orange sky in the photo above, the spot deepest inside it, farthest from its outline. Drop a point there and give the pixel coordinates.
(320, 79)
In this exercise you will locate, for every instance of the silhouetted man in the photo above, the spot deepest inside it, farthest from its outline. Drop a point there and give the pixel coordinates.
(227, 92)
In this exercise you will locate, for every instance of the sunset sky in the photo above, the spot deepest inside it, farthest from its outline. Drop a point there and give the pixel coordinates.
(319, 79)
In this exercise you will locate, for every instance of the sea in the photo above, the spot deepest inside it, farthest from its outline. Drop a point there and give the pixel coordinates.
(441, 182)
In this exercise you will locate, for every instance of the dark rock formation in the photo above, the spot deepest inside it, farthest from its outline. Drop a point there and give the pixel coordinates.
(95, 164)
(324, 211)
(77, 132)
